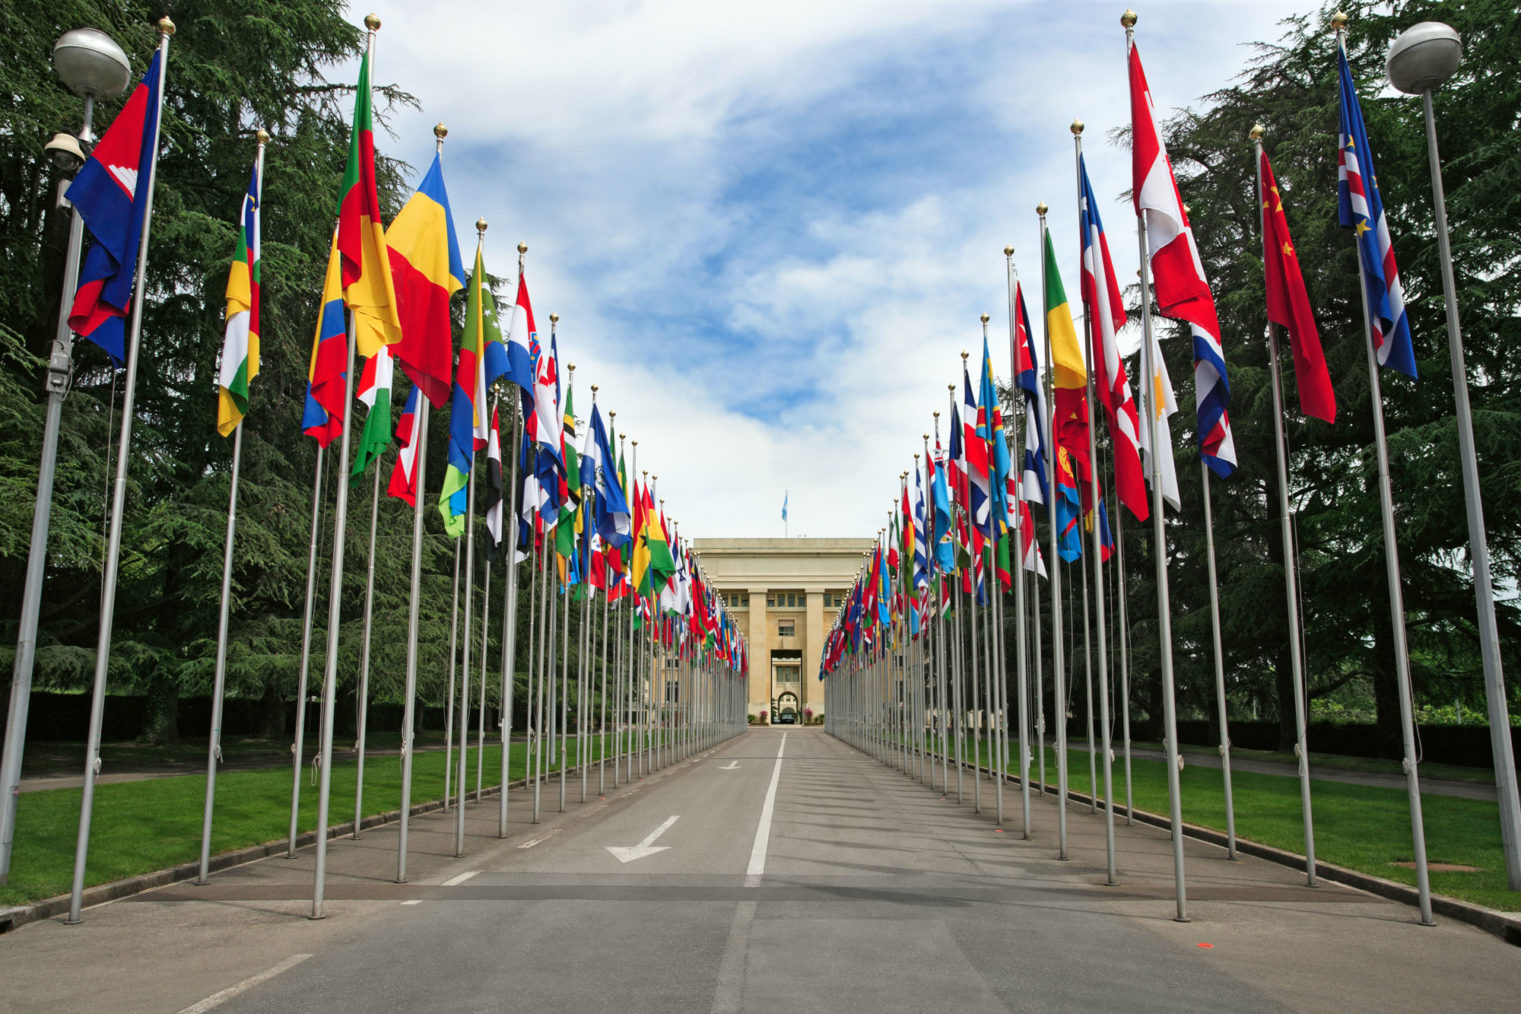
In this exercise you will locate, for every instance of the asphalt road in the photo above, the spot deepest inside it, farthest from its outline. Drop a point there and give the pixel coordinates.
(864, 891)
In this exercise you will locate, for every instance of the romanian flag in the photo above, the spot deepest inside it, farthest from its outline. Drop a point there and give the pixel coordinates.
(367, 287)
(240, 346)
(424, 259)
(323, 416)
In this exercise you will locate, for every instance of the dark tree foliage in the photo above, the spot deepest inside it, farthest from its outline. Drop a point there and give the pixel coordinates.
(231, 71)
(1291, 88)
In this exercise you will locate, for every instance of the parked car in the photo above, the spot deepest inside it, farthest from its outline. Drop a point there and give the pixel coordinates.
(786, 718)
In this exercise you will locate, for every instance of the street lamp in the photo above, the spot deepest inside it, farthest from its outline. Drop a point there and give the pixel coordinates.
(94, 67)
(1419, 60)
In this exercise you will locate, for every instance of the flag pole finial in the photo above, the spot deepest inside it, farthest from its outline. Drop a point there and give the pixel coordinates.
(1077, 127)
(965, 354)
(570, 367)
(1041, 209)
(1257, 131)
(480, 225)
(984, 318)
(936, 413)
(165, 26)
(440, 131)
(262, 136)
(1339, 20)
(372, 22)
(522, 248)
(1129, 18)
(554, 318)
(1008, 251)
(594, 390)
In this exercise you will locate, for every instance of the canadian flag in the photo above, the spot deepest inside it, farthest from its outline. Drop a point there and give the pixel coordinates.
(1177, 273)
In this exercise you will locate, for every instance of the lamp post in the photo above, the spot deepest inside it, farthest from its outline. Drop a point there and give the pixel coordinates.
(94, 67)
(1419, 60)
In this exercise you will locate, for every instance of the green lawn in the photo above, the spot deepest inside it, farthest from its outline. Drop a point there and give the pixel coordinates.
(149, 825)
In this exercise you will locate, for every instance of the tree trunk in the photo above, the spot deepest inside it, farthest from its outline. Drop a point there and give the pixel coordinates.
(161, 724)
(271, 715)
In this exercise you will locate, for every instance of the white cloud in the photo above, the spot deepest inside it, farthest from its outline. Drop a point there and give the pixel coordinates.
(646, 152)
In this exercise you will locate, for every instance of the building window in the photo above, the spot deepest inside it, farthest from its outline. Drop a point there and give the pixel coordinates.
(791, 600)
(786, 628)
(771, 601)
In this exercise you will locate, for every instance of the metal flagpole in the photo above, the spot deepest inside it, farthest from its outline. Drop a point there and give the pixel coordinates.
(546, 611)
(464, 669)
(1124, 638)
(1290, 576)
(1164, 607)
(581, 665)
(214, 746)
(449, 706)
(118, 505)
(1058, 652)
(1097, 549)
(409, 711)
(108, 59)
(564, 692)
(1214, 618)
(1017, 567)
(480, 723)
(364, 656)
(509, 621)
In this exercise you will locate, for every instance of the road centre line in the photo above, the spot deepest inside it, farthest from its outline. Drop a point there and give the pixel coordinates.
(763, 830)
(217, 999)
(456, 881)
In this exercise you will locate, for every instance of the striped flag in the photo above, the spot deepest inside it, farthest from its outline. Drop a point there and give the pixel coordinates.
(322, 418)
(1362, 209)
(403, 483)
(424, 259)
(1032, 484)
(367, 286)
(1178, 279)
(494, 485)
(240, 344)
(1106, 315)
(375, 383)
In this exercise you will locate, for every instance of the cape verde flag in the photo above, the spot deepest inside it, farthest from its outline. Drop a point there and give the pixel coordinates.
(1362, 209)
(111, 193)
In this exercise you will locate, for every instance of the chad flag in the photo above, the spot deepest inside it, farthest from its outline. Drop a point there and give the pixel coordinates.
(1071, 376)
(367, 286)
(425, 262)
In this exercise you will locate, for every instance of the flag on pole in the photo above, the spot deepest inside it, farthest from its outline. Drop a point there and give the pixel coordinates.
(921, 538)
(998, 448)
(1069, 379)
(785, 495)
(1289, 305)
(453, 497)
(111, 193)
(1106, 315)
(522, 335)
(403, 483)
(423, 258)
(322, 418)
(375, 383)
(974, 453)
(1032, 486)
(1362, 209)
(1029, 546)
(368, 289)
(494, 486)
(1161, 403)
(240, 344)
(1177, 275)
(614, 519)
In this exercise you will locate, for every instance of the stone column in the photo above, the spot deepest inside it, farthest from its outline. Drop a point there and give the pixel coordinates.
(813, 651)
(760, 655)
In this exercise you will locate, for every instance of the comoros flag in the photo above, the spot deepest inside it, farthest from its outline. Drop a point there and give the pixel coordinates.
(111, 193)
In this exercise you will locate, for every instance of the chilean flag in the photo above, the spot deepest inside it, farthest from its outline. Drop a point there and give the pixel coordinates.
(111, 193)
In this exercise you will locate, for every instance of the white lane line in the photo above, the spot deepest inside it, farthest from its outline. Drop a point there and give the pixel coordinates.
(456, 881)
(413, 901)
(763, 831)
(530, 843)
(217, 999)
(729, 993)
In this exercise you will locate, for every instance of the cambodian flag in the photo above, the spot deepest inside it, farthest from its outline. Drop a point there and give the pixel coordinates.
(111, 193)
(1362, 209)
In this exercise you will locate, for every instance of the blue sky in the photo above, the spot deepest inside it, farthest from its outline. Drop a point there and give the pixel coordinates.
(769, 229)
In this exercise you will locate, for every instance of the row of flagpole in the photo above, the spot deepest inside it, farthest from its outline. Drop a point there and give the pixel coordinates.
(882, 696)
(580, 530)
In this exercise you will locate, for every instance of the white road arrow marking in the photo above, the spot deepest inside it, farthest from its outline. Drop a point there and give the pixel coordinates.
(626, 854)
(730, 766)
